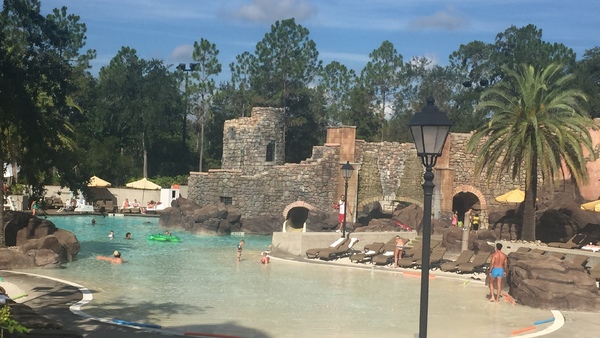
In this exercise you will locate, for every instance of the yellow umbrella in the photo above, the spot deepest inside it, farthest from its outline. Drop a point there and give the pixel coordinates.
(143, 184)
(513, 196)
(591, 206)
(97, 182)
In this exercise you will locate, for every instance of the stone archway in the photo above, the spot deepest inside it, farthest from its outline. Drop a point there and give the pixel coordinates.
(295, 215)
(387, 200)
(466, 197)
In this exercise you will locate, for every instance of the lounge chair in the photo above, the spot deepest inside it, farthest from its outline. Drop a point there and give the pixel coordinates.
(477, 264)
(335, 253)
(109, 206)
(595, 271)
(407, 262)
(434, 243)
(537, 251)
(314, 253)
(578, 260)
(556, 254)
(387, 256)
(435, 259)
(370, 250)
(417, 249)
(464, 257)
(573, 243)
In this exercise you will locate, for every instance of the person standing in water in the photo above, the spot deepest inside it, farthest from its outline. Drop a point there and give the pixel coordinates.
(239, 250)
(498, 269)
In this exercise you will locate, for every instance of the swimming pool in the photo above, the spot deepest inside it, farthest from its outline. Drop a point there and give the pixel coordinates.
(197, 285)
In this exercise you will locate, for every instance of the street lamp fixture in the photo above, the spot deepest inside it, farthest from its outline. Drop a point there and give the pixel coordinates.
(429, 128)
(347, 170)
(183, 67)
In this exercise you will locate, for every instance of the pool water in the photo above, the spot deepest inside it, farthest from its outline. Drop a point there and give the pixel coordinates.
(197, 285)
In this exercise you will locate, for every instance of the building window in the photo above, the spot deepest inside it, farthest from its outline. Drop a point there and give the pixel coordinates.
(226, 200)
(270, 152)
(231, 133)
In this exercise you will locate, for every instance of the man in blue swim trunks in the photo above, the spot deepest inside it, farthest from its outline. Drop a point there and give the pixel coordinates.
(498, 269)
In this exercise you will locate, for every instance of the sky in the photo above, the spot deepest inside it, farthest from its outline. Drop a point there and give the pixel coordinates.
(343, 30)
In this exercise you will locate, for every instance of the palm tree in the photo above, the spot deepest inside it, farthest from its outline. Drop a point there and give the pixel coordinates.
(536, 126)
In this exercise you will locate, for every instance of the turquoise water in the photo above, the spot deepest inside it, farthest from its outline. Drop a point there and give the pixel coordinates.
(198, 286)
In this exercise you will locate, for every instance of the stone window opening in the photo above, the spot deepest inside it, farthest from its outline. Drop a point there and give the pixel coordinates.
(226, 200)
(231, 133)
(270, 156)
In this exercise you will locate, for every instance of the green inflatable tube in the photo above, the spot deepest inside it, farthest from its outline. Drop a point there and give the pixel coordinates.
(163, 238)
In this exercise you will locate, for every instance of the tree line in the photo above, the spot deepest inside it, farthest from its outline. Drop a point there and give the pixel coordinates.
(145, 118)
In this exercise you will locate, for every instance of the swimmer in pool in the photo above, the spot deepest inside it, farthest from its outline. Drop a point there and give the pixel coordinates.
(116, 259)
(265, 259)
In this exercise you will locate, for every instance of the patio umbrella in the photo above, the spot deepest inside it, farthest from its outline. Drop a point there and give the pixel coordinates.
(591, 206)
(513, 196)
(143, 184)
(97, 182)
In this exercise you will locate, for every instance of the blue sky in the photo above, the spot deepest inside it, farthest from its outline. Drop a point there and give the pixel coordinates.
(344, 30)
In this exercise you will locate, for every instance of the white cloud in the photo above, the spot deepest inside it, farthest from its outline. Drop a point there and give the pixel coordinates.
(340, 57)
(447, 19)
(433, 58)
(272, 10)
(181, 53)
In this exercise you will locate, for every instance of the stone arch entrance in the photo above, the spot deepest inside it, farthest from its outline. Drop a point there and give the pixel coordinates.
(388, 202)
(465, 198)
(295, 215)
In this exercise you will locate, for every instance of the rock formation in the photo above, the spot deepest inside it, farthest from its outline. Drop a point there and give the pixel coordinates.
(477, 240)
(35, 242)
(211, 219)
(549, 283)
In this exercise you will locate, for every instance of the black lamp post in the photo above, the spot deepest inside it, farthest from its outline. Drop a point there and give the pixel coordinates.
(182, 67)
(347, 170)
(429, 129)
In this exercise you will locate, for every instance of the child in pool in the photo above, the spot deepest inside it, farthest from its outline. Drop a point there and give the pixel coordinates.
(265, 258)
(239, 250)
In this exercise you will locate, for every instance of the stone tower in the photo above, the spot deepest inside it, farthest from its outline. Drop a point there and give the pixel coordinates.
(253, 144)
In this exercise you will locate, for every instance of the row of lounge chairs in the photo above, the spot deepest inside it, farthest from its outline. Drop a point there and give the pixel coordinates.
(342, 247)
(588, 234)
(379, 253)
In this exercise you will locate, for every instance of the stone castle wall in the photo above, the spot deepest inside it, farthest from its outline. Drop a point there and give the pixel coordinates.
(388, 172)
(248, 141)
(269, 192)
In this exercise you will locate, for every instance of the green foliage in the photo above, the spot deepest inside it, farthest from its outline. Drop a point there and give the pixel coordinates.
(35, 77)
(207, 66)
(9, 324)
(588, 78)
(536, 125)
(167, 182)
(383, 75)
(335, 84)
